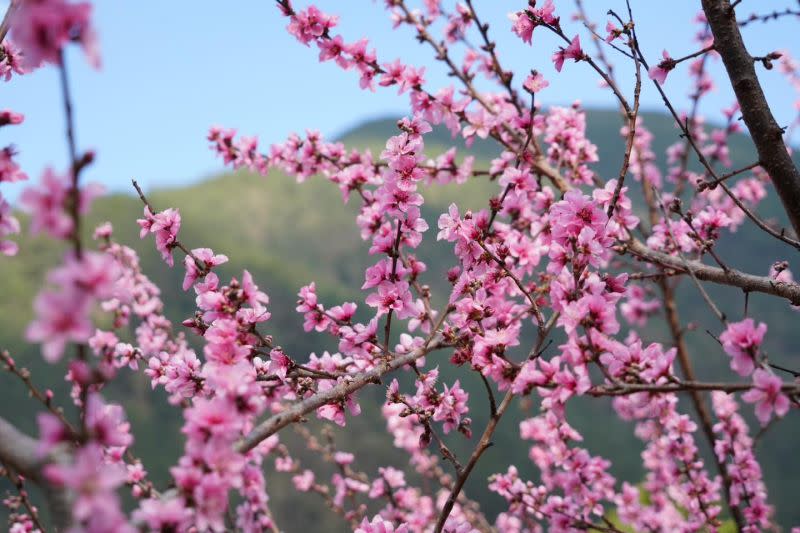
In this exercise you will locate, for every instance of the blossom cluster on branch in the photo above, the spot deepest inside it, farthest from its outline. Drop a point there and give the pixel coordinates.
(560, 254)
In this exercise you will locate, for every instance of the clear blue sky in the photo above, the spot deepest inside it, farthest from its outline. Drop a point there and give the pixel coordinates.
(173, 68)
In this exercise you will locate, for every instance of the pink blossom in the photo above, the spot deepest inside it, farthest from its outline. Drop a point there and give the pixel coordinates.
(480, 123)
(61, 317)
(525, 21)
(735, 446)
(392, 297)
(612, 31)
(767, 396)
(106, 422)
(335, 412)
(47, 204)
(547, 13)
(303, 482)
(11, 62)
(165, 225)
(313, 312)
(741, 340)
(573, 51)
(343, 458)
(42, 27)
(9, 169)
(93, 480)
(223, 343)
(344, 312)
(333, 49)
(93, 275)
(379, 525)
(163, 514)
(103, 231)
(452, 406)
(207, 260)
(9, 225)
(51, 432)
(522, 25)
(574, 213)
(8, 117)
(659, 72)
(311, 24)
(279, 363)
(412, 79)
(211, 496)
(535, 82)
(210, 417)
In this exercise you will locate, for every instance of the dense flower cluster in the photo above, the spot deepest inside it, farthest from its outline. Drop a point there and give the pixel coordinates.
(560, 254)
(735, 446)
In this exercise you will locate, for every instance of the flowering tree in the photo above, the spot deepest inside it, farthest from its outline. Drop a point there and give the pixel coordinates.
(560, 253)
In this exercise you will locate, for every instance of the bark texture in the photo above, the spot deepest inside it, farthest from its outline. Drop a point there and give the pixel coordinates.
(767, 135)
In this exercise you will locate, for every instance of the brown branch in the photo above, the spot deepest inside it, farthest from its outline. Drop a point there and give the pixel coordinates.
(74, 192)
(631, 117)
(486, 438)
(596, 38)
(177, 244)
(766, 17)
(502, 75)
(764, 130)
(483, 444)
(348, 386)
(423, 292)
(693, 55)
(490, 395)
(6, 24)
(495, 208)
(387, 330)
(732, 277)
(24, 375)
(622, 389)
(424, 418)
(703, 185)
(19, 451)
(74, 201)
(602, 73)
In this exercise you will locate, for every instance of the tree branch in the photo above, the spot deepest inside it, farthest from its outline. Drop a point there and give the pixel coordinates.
(350, 385)
(732, 277)
(764, 130)
(19, 451)
(5, 25)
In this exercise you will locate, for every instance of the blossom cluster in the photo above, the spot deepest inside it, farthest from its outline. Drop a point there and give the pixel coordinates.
(558, 255)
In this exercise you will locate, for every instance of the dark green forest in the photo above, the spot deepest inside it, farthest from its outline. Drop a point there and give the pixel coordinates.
(288, 234)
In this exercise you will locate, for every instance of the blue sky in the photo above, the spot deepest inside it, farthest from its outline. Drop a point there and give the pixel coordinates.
(173, 68)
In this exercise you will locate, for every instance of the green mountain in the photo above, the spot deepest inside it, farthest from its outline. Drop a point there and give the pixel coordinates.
(287, 234)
